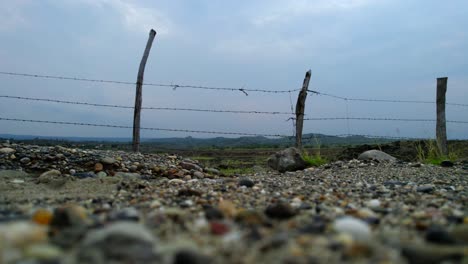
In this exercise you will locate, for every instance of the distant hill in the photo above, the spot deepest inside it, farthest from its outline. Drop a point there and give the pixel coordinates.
(217, 142)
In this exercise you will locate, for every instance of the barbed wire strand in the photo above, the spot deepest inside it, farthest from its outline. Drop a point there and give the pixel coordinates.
(174, 86)
(381, 100)
(148, 108)
(381, 119)
(142, 128)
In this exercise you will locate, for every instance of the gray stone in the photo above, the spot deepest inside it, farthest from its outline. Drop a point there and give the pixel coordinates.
(25, 160)
(199, 175)
(289, 159)
(6, 150)
(427, 188)
(213, 171)
(108, 160)
(101, 174)
(190, 166)
(127, 175)
(376, 155)
(122, 242)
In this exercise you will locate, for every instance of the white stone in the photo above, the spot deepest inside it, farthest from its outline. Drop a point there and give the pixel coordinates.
(6, 150)
(374, 203)
(358, 229)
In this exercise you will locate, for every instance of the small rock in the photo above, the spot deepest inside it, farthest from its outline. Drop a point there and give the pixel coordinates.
(432, 254)
(25, 160)
(280, 211)
(122, 242)
(186, 256)
(190, 166)
(198, 175)
(213, 171)
(108, 160)
(246, 182)
(212, 213)
(126, 214)
(376, 155)
(84, 175)
(427, 188)
(98, 167)
(374, 203)
(438, 235)
(289, 159)
(6, 150)
(218, 228)
(446, 163)
(101, 174)
(357, 228)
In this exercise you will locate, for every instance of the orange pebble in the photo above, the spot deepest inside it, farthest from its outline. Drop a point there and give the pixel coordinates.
(42, 217)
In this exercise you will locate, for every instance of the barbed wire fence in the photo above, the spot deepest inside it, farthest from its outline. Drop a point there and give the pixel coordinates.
(245, 91)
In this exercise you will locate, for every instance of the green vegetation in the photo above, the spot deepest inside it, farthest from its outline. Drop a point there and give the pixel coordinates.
(429, 153)
(314, 160)
(234, 171)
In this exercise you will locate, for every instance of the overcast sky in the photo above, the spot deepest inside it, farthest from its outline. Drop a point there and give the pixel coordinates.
(381, 49)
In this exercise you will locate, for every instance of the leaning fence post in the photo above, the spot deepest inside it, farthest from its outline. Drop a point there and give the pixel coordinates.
(441, 128)
(138, 96)
(300, 107)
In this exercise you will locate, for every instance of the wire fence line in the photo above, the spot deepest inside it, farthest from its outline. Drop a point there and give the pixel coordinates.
(381, 100)
(381, 119)
(314, 136)
(173, 86)
(142, 128)
(148, 108)
(243, 90)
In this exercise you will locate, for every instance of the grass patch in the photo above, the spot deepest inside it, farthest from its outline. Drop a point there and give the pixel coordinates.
(314, 160)
(429, 153)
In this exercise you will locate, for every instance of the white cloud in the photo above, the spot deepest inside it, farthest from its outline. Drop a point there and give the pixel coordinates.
(135, 17)
(281, 11)
(11, 15)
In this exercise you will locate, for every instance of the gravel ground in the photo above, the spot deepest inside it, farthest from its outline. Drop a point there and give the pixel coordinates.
(61, 205)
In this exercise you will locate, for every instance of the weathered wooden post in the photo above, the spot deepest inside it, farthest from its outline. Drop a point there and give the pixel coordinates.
(300, 107)
(138, 97)
(441, 128)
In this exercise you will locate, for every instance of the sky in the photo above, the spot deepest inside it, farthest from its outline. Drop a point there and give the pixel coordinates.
(377, 49)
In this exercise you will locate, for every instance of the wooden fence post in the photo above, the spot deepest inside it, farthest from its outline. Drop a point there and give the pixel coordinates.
(138, 96)
(441, 128)
(300, 107)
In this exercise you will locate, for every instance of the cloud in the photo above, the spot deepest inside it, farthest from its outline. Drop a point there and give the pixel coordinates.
(11, 15)
(254, 46)
(135, 17)
(282, 12)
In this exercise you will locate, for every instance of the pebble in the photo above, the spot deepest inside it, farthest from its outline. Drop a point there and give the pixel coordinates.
(280, 211)
(438, 235)
(187, 256)
(358, 229)
(25, 160)
(198, 175)
(246, 182)
(427, 188)
(108, 160)
(6, 150)
(98, 167)
(121, 242)
(374, 203)
(446, 163)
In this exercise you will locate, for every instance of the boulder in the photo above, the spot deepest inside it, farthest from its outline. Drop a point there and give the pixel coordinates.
(376, 155)
(289, 159)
